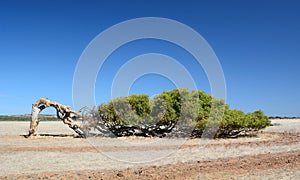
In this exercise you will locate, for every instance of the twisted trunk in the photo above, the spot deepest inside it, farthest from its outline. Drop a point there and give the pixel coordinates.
(63, 112)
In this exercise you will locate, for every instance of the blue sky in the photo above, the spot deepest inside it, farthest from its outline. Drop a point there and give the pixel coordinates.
(257, 44)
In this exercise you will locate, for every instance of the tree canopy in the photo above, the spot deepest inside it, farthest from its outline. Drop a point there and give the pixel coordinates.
(181, 106)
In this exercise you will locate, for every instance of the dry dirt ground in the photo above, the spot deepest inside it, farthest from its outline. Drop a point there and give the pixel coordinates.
(57, 154)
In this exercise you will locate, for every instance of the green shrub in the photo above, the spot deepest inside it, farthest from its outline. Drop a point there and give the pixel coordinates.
(184, 107)
(131, 110)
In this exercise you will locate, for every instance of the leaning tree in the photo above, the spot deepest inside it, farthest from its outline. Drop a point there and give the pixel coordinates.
(63, 112)
(93, 122)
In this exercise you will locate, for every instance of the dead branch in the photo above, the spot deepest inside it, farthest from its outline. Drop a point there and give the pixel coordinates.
(63, 112)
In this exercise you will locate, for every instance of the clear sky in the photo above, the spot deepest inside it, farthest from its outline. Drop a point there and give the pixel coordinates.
(257, 43)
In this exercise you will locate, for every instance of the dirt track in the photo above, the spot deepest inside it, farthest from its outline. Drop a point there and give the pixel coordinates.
(57, 154)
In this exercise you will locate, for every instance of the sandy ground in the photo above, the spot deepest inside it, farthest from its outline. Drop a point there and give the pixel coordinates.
(56, 154)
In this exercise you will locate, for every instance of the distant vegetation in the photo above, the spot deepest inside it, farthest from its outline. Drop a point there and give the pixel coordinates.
(181, 106)
(283, 117)
(42, 117)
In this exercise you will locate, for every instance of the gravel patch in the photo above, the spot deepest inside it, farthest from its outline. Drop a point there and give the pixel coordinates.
(284, 125)
(58, 150)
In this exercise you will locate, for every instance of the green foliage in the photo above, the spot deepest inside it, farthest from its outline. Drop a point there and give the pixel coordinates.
(238, 119)
(257, 120)
(130, 110)
(184, 107)
(205, 105)
(140, 104)
(167, 107)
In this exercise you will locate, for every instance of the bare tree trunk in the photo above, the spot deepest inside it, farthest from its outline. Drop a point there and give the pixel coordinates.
(63, 112)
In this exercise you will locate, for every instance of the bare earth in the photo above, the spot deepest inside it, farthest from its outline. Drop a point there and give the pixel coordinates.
(57, 154)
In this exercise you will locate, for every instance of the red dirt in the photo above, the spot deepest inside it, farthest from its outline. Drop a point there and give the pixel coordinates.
(256, 165)
(215, 169)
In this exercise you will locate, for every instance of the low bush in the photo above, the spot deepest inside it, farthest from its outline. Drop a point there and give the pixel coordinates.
(182, 107)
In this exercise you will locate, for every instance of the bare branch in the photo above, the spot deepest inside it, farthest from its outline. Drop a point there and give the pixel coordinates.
(63, 112)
